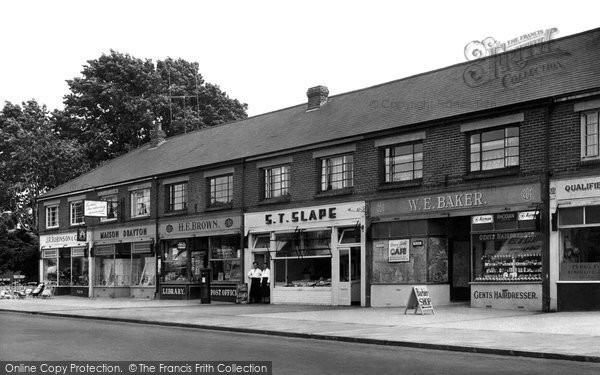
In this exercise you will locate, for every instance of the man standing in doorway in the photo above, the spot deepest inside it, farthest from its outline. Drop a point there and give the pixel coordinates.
(255, 275)
(265, 288)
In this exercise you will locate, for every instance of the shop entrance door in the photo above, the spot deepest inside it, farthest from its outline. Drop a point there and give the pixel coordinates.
(349, 283)
(461, 265)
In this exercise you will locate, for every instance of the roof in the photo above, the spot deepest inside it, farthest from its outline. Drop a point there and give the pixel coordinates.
(558, 67)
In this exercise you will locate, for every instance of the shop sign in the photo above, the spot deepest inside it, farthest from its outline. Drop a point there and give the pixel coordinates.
(527, 215)
(417, 243)
(483, 219)
(399, 251)
(181, 245)
(307, 216)
(60, 240)
(576, 188)
(419, 299)
(462, 200)
(506, 217)
(223, 292)
(95, 208)
(505, 294)
(203, 226)
(173, 291)
(129, 234)
(580, 271)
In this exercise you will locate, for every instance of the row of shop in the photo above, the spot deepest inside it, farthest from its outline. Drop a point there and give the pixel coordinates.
(484, 245)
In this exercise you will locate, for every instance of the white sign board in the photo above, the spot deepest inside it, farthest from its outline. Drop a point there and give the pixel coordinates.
(399, 251)
(95, 208)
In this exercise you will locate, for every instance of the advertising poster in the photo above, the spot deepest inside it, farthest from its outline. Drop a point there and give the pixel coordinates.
(399, 251)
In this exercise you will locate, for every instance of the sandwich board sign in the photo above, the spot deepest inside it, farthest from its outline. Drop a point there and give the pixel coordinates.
(419, 299)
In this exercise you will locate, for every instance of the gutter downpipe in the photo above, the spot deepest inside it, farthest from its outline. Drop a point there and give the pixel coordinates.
(545, 219)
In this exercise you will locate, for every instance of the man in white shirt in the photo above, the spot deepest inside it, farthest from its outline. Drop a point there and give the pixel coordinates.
(254, 275)
(264, 283)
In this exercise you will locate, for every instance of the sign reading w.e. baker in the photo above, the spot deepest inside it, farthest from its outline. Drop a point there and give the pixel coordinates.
(485, 197)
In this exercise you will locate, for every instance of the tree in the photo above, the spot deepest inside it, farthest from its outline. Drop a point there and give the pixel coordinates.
(18, 248)
(114, 105)
(33, 159)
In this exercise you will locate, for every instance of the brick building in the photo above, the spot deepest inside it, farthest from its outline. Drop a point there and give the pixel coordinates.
(475, 180)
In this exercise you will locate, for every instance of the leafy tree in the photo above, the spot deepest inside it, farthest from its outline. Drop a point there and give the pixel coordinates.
(33, 159)
(113, 106)
(18, 248)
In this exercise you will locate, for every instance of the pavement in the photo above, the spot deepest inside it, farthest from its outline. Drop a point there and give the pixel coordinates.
(457, 327)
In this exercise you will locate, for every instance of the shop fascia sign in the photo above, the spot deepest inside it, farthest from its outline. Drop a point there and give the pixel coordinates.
(200, 225)
(486, 197)
(576, 188)
(128, 233)
(60, 240)
(305, 215)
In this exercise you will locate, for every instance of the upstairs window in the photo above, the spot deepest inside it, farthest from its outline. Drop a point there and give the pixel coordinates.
(589, 135)
(221, 190)
(494, 149)
(52, 216)
(276, 181)
(176, 197)
(77, 213)
(403, 162)
(111, 201)
(140, 203)
(337, 172)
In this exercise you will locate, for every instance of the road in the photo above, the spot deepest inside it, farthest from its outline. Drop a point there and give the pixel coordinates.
(31, 337)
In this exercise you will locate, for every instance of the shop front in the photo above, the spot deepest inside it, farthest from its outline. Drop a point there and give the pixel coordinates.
(316, 255)
(482, 245)
(124, 263)
(64, 263)
(200, 252)
(575, 244)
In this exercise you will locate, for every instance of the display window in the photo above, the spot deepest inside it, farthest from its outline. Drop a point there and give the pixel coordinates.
(302, 258)
(579, 229)
(124, 265)
(64, 267)
(79, 267)
(50, 266)
(183, 259)
(104, 265)
(225, 259)
(507, 247)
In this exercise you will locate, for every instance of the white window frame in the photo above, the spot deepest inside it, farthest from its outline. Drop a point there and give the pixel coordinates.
(172, 198)
(111, 198)
(73, 218)
(48, 208)
(269, 181)
(327, 171)
(212, 190)
(390, 165)
(144, 199)
(585, 137)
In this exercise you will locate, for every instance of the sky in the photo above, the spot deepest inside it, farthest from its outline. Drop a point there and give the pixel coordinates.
(264, 53)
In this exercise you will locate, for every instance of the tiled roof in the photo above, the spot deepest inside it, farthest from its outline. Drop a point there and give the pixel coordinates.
(559, 67)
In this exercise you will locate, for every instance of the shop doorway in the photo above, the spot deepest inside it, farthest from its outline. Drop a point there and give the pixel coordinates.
(459, 258)
(349, 284)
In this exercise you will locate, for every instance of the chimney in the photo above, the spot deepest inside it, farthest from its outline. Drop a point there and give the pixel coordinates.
(317, 97)
(157, 135)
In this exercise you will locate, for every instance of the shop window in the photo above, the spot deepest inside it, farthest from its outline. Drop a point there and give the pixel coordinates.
(262, 242)
(50, 266)
(140, 203)
(221, 190)
(571, 216)
(337, 172)
(303, 272)
(79, 267)
(303, 244)
(403, 162)
(349, 235)
(276, 181)
(182, 260)
(112, 208)
(104, 265)
(142, 264)
(64, 267)
(589, 135)
(176, 197)
(225, 259)
(580, 253)
(52, 216)
(494, 149)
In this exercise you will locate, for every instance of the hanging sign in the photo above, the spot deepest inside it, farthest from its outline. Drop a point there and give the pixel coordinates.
(399, 251)
(419, 299)
(95, 208)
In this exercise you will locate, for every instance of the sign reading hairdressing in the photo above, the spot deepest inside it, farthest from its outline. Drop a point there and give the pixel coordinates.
(125, 234)
(314, 216)
(60, 240)
(201, 226)
(461, 200)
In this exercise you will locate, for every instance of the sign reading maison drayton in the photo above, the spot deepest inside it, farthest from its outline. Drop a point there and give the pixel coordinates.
(481, 198)
(128, 234)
